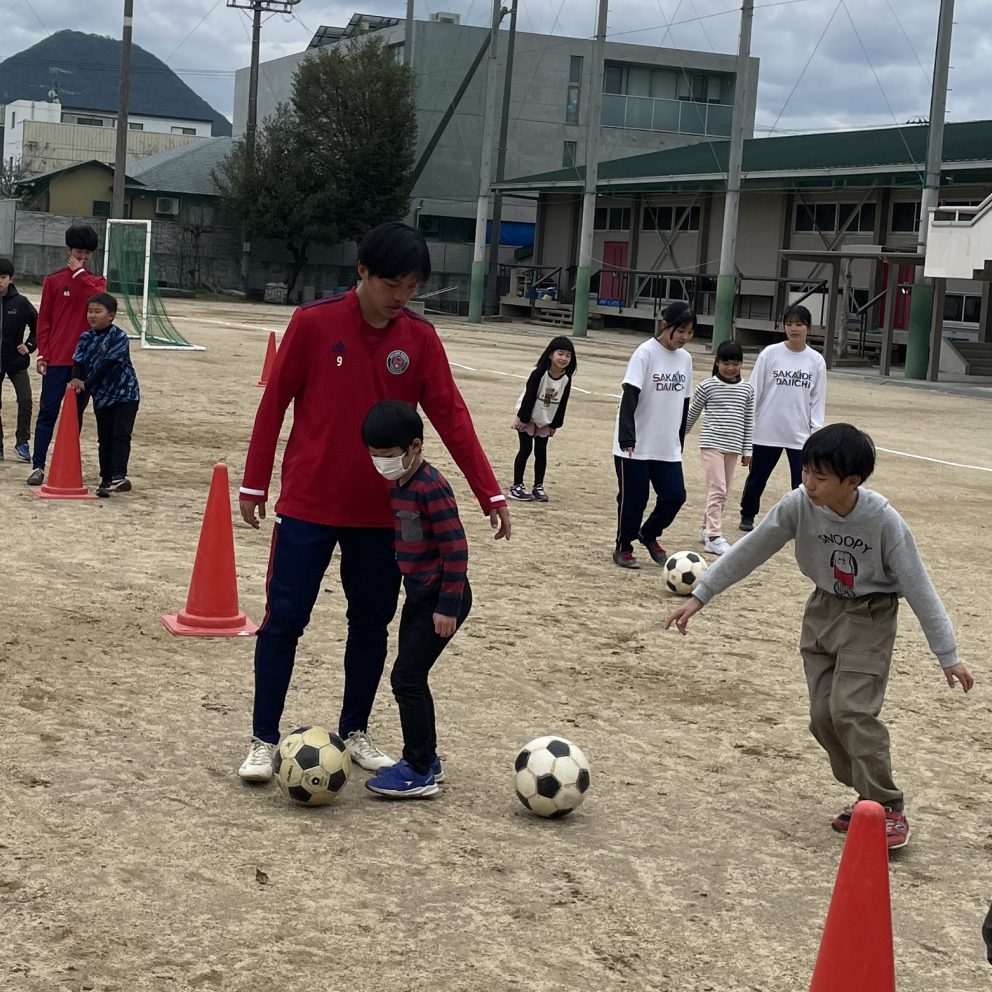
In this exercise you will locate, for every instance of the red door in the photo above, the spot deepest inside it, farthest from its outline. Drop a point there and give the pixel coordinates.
(612, 285)
(903, 296)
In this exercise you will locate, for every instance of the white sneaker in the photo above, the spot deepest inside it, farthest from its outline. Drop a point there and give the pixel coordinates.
(364, 753)
(257, 766)
(702, 535)
(717, 545)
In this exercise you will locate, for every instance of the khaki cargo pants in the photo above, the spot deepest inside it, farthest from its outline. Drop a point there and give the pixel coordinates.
(846, 646)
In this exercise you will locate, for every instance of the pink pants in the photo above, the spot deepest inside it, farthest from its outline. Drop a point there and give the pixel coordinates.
(718, 470)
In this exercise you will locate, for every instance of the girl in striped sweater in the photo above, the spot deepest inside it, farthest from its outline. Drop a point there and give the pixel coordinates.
(726, 436)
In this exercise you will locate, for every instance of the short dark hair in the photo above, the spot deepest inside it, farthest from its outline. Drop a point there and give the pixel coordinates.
(842, 450)
(798, 313)
(392, 424)
(81, 236)
(104, 300)
(727, 351)
(677, 315)
(6, 267)
(394, 249)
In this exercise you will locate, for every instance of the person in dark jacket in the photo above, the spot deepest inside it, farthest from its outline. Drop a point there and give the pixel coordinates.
(16, 315)
(540, 412)
(987, 934)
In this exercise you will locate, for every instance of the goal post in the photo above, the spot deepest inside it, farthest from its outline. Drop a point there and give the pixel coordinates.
(129, 268)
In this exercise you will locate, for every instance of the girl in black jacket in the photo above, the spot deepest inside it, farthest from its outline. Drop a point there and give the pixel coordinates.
(17, 315)
(540, 412)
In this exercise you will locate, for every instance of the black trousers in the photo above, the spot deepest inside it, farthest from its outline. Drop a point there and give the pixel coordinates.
(22, 390)
(763, 462)
(114, 425)
(633, 478)
(419, 648)
(539, 445)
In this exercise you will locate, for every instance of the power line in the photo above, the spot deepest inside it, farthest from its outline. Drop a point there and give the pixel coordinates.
(190, 35)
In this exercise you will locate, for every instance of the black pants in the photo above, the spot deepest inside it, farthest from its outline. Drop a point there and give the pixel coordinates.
(419, 648)
(763, 462)
(540, 448)
(301, 554)
(114, 426)
(21, 382)
(633, 478)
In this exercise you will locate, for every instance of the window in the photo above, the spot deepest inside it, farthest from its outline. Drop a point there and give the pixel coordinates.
(863, 217)
(828, 218)
(663, 219)
(459, 229)
(574, 93)
(906, 217)
(962, 309)
(90, 121)
(568, 151)
(612, 219)
(131, 126)
(184, 130)
(101, 208)
(614, 78)
(13, 118)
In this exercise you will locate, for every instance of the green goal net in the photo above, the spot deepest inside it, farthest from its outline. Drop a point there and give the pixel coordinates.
(129, 268)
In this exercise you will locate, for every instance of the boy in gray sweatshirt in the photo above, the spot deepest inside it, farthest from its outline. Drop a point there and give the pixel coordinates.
(861, 557)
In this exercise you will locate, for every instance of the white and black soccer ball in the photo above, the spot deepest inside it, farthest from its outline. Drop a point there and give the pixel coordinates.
(683, 570)
(552, 776)
(311, 766)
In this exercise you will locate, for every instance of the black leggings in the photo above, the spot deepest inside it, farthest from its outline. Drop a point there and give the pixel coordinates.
(539, 445)
(763, 461)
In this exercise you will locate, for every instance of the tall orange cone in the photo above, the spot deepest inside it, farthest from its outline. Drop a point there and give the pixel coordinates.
(856, 949)
(270, 358)
(65, 480)
(212, 604)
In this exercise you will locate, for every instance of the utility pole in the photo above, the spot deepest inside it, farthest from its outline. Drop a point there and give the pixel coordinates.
(120, 155)
(257, 8)
(580, 308)
(726, 284)
(408, 35)
(477, 286)
(921, 301)
(492, 284)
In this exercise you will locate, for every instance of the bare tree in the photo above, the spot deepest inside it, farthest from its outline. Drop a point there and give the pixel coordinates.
(11, 173)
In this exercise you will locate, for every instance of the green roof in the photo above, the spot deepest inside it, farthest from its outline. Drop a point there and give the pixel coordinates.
(893, 156)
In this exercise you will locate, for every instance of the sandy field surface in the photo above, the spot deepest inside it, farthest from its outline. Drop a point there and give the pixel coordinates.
(132, 857)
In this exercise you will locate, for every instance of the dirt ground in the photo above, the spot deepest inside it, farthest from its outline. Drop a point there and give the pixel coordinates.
(703, 858)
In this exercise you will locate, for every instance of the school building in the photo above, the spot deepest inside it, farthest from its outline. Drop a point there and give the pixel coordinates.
(653, 98)
(831, 220)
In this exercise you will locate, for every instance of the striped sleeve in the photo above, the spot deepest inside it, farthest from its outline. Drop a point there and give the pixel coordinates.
(440, 508)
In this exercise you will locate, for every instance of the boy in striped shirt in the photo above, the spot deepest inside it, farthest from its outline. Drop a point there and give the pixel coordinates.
(433, 557)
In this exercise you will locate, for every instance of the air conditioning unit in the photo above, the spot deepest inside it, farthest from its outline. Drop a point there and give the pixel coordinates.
(167, 205)
(446, 17)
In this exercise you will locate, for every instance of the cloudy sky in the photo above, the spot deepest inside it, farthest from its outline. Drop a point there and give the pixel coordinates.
(825, 64)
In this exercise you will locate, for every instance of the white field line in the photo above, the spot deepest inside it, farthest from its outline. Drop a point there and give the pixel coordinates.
(612, 396)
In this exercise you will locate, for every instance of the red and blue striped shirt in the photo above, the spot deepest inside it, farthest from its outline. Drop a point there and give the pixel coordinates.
(431, 549)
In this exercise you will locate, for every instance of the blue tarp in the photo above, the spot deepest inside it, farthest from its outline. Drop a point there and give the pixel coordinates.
(514, 233)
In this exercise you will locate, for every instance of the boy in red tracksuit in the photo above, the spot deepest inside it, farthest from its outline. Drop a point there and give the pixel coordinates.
(338, 358)
(61, 322)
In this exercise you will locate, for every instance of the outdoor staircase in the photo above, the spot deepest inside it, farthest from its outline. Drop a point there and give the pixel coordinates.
(959, 242)
(977, 356)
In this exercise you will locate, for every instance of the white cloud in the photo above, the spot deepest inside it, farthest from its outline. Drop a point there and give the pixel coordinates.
(839, 89)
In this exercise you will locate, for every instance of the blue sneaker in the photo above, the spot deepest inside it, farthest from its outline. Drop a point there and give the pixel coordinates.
(22, 452)
(437, 769)
(400, 781)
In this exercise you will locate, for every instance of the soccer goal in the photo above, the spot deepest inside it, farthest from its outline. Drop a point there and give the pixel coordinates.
(129, 268)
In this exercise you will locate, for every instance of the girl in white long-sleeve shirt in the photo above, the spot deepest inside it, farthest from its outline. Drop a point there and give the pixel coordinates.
(790, 398)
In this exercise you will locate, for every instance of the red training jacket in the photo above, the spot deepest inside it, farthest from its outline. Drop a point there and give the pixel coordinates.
(334, 367)
(62, 314)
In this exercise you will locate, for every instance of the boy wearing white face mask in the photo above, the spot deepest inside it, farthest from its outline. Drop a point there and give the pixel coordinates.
(433, 556)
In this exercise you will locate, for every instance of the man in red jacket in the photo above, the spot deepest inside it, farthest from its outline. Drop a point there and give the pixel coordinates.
(61, 322)
(337, 359)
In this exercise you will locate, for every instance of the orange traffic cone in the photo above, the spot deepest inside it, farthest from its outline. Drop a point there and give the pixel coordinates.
(65, 480)
(212, 604)
(856, 949)
(270, 358)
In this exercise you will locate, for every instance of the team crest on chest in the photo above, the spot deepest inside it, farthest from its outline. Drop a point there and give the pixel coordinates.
(397, 362)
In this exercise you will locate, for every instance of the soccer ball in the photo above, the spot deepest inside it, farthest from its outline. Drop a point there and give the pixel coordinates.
(682, 571)
(311, 766)
(552, 776)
